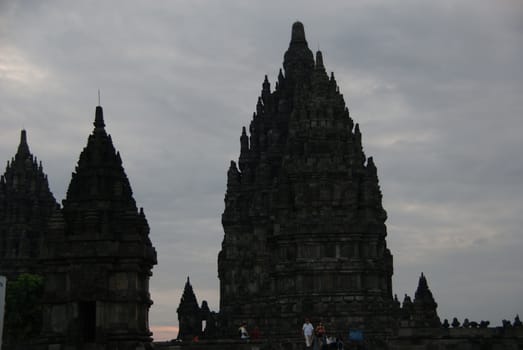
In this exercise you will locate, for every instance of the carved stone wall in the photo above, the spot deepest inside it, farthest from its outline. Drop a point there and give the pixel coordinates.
(98, 257)
(304, 224)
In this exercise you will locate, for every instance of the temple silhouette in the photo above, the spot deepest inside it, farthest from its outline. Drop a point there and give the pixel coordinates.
(305, 234)
(94, 251)
(304, 237)
(304, 223)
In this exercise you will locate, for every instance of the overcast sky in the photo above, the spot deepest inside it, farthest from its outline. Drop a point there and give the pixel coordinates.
(437, 87)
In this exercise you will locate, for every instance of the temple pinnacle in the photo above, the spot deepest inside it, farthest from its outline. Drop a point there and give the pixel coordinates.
(298, 33)
(319, 60)
(23, 147)
(99, 118)
(298, 60)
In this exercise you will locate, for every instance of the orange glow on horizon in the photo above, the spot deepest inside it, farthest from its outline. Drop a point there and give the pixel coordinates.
(164, 333)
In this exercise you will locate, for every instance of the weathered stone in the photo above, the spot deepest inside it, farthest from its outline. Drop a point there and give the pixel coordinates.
(98, 257)
(94, 253)
(26, 205)
(303, 186)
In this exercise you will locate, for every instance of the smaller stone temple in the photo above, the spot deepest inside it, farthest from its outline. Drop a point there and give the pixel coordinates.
(195, 321)
(189, 315)
(98, 256)
(94, 252)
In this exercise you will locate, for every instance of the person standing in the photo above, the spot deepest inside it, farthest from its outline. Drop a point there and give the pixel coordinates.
(243, 331)
(320, 334)
(308, 330)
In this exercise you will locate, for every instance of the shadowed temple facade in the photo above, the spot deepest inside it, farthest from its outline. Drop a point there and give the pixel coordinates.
(304, 229)
(94, 251)
(303, 221)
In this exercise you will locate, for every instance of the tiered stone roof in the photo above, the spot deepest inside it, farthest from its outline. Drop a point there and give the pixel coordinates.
(304, 223)
(99, 256)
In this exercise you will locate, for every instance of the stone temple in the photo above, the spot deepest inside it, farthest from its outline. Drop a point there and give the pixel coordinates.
(304, 223)
(305, 234)
(94, 251)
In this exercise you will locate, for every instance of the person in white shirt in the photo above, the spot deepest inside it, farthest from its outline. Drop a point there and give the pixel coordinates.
(308, 330)
(243, 331)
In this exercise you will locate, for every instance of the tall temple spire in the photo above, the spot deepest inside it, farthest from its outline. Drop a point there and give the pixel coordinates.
(303, 197)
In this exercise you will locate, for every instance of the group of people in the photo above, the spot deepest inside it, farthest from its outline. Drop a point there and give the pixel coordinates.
(317, 339)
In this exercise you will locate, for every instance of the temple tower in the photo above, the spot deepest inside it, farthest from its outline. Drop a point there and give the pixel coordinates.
(26, 203)
(304, 223)
(189, 315)
(424, 307)
(98, 257)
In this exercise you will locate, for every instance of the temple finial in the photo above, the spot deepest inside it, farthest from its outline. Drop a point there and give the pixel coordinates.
(23, 137)
(23, 147)
(298, 33)
(298, 60)
(98, 97)
(99, 118)
(266, 86)
(244, 143)
(319, 60)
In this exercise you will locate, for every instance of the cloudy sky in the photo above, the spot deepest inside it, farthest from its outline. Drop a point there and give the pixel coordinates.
(436, 86)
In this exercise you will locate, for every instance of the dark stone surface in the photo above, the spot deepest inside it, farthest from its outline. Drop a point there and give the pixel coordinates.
(304, 231)
(99, 256)
(26, 203)
(94, 253)
(303, 221)
(189, 315)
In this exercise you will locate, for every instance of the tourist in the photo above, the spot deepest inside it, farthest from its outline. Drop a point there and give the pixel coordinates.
(308, 330)
(243, 331)
(320, 333)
